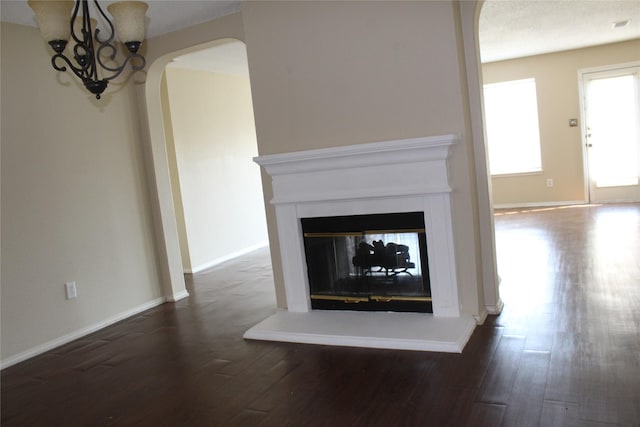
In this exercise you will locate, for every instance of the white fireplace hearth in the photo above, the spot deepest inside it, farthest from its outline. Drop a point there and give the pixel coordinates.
(408, 175)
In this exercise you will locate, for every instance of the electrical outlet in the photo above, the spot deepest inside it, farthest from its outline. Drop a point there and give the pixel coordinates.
(549, 182)
(70, 289)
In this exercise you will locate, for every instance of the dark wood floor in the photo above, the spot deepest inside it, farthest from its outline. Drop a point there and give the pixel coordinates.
(564, 352)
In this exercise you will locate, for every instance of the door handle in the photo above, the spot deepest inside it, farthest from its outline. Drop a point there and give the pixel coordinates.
(589, 145)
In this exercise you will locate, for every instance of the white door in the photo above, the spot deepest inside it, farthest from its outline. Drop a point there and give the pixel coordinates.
(612, 133)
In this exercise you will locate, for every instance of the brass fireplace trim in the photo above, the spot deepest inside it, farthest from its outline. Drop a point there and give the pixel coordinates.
(374, 298)
(389, 298)
(365, 232)
(394, 231)
(336, 234)
(348, 300)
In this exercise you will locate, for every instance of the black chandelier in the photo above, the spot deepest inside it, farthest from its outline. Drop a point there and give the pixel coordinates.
(93, 58)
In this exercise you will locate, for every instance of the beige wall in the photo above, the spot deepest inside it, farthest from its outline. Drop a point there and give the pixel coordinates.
(558, 100)
(337, 73)
(215, 141)
(74, 202)
(328, 74)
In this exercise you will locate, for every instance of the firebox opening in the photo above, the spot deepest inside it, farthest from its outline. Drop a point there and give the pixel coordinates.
(375, 262)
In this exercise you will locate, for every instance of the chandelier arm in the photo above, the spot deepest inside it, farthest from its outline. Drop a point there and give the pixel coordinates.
(83, 49)
(79, 72)
(112, 31)
(118, 70)
(110, 53)
(83, 55)
(74, 16)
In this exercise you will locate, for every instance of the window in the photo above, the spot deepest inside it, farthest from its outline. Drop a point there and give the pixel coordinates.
(511, 119)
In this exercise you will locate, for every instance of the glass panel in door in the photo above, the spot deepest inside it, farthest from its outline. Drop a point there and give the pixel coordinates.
(612, 135)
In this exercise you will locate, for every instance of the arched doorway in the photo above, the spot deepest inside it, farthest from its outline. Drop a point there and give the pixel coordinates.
(150, 95)
(211, 140)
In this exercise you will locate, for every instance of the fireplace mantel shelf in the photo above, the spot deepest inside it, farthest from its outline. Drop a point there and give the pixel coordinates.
(354, 156)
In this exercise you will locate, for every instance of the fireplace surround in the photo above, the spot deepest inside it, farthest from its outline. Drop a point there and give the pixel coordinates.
(380, 178)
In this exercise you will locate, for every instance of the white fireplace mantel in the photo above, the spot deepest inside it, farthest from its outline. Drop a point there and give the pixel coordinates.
(390, 168)
(408, 175)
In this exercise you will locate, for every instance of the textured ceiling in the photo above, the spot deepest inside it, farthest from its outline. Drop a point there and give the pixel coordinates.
(517, 28)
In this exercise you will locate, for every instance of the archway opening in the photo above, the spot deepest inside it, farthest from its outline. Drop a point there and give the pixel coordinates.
(211, 140)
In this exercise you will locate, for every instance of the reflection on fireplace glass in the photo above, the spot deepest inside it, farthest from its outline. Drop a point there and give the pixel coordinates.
(368, 262)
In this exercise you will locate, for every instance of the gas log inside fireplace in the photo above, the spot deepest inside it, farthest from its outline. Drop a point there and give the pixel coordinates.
(374, 262)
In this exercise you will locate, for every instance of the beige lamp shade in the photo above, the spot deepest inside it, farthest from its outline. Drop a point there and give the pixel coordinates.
(129, 20)
(53, 18)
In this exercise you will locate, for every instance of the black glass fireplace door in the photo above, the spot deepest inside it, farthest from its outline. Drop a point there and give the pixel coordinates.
(368, 262)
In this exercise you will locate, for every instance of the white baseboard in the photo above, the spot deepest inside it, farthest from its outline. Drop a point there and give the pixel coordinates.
(50, 345)
(226, 258)
(537, 204)
(480, 318)
(495, 309)
(489, 310)
(178, 296)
